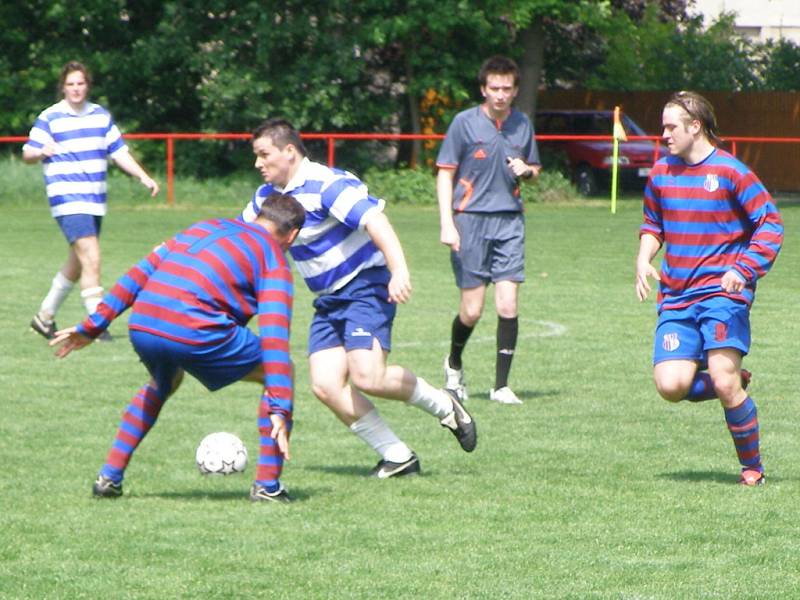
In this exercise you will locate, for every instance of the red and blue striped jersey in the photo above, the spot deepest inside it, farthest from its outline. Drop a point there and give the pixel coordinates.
(201, 285)
(711, 217)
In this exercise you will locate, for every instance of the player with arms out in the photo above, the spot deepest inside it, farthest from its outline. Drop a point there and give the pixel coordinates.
(721, 233)
(351, 259)
(488, 149)
(73, 139)
(190, 300)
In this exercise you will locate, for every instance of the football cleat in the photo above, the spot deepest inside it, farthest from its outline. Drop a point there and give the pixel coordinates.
(47, 329)
(746, 377)
(461, 424)
(454, 380)
(386, 468)
(752, 477)
(258, 493)
(504, 395)
(105, 487)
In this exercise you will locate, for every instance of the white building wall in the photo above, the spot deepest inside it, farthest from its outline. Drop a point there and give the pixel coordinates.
(759, 20)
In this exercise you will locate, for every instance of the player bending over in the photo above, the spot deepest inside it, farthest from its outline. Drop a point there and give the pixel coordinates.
(190, 300)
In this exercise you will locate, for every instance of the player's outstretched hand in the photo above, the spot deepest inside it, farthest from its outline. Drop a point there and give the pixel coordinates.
(69, 340)
(280, 434)
(643, 271)
(400, 287)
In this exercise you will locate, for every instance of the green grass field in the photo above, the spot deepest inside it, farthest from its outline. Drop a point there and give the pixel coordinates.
(594, 488)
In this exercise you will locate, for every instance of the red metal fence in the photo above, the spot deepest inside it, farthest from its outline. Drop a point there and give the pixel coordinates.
(332, 138)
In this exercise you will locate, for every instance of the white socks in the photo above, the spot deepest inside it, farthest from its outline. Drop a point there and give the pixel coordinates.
(59, 290)
(432, 401)
(376, 434)
(91, 298)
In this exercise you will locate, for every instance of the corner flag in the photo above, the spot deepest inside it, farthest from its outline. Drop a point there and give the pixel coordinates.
(618, 134)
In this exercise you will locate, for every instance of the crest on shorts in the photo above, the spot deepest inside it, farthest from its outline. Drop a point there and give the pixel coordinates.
(670, 342)
(711, 184)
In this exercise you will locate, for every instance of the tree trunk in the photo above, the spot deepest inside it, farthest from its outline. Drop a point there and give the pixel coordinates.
(413, 114)
(532, 40)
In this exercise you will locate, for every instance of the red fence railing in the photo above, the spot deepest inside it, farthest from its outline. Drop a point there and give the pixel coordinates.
(332, 138)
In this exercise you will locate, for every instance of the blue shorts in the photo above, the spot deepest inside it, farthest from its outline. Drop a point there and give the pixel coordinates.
(689, 333)
(354, 315)
(75, 227)
(492, 249)
(214, 366)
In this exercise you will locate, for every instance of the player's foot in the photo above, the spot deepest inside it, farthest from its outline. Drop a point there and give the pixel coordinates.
(106, 488)
(47, 329)
(258, 493)
(461, 424)
(752, 477)
(104, 337)
(454, 380)
(386, 468)
(504, 395)
(746, 377)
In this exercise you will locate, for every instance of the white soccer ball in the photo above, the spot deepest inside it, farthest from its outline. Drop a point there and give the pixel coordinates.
(221, 453)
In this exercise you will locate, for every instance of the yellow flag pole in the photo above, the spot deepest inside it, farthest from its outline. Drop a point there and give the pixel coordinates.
(618, 134)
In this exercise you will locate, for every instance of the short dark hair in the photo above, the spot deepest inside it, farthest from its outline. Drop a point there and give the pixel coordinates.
(281, 132)
(697, 107)
(284, 211)
(498, 65)
(71, 67)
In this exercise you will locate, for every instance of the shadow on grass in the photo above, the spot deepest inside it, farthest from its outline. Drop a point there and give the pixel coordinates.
(222, 495)
(521, 394)
(709, 476)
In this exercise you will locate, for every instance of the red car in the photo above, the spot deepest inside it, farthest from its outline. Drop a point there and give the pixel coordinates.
(589, 161)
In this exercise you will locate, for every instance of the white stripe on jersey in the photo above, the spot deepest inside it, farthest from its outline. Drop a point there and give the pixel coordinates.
(79, 208)
(75, 188)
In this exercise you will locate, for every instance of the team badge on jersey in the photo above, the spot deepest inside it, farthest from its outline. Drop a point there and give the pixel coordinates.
(480, 154)
(670, 343)
(711, 184)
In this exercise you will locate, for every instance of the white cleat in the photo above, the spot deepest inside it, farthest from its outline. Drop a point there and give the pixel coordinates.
(454, 380)
(504, 395)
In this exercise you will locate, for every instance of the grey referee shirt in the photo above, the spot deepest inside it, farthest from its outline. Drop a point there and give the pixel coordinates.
(476, 146)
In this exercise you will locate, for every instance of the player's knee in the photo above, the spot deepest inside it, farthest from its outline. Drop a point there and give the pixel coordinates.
(671, 390)
(367, 382)
(727, 386)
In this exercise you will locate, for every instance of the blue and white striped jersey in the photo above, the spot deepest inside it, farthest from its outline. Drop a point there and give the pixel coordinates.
(75, 176)
(333, 245)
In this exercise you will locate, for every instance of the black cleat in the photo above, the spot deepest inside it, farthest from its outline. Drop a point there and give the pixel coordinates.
(258, 493)
(461, 424)
(386, 468)
(44, 328)
(105, 488)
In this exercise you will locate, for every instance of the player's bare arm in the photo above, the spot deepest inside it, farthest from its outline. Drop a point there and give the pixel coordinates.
(384, 237)
(127, 163)
(448, 234)
(648, 248)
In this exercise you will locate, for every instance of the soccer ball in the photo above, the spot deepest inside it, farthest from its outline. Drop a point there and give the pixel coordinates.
(221, 453)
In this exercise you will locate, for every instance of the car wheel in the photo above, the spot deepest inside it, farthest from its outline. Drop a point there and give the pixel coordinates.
(585, 181)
